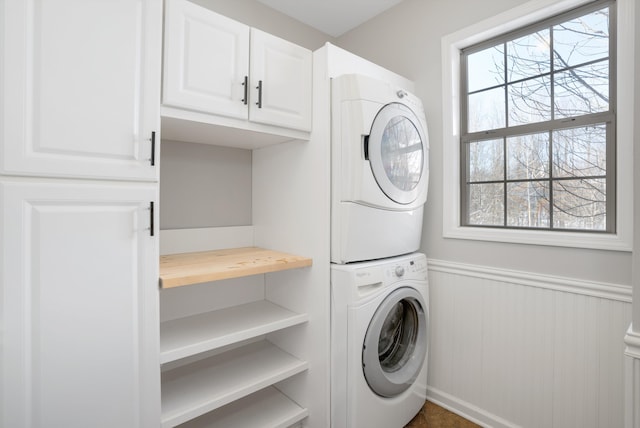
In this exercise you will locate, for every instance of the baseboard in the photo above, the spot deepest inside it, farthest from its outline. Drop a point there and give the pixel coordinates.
(466, 410)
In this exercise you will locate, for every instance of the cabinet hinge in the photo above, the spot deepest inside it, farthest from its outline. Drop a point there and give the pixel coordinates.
(151, 216)
(153, 148)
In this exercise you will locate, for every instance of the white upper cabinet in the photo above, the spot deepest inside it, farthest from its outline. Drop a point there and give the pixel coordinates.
(218, 66)
(206, 60)
(80, 87)
(280, 82)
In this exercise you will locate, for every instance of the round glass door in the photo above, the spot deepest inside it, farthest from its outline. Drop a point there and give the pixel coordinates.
(398, 152)
(395, 345)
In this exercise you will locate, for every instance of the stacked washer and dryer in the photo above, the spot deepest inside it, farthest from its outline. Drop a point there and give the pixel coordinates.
(379, 288)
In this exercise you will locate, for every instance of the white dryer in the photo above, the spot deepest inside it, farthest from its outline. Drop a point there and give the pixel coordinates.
(379, 169)
(379, 324)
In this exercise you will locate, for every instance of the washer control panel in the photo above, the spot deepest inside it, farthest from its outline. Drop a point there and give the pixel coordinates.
(368, 276)
(407, 269)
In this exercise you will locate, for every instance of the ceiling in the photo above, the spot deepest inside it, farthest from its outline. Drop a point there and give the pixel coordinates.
(333, 17)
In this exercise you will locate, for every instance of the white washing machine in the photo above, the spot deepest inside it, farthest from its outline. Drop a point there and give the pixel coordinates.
(379, 323)
(379, 169)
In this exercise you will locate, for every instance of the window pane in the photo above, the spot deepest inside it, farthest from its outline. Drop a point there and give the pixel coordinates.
(486, 160)
(554, 85)
(528, 157)
(485, 68)
(486, 204)
(528, 204)
(579, 204)
(528, 56)
(582, 90)
(581, 40)
(486, 110)
(580, 152)
(530, 101)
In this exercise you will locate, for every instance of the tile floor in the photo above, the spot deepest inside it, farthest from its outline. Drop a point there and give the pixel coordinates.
(434, 416)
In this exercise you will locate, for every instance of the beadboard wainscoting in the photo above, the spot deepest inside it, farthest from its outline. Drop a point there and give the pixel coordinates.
(632, 378)
(515, 349)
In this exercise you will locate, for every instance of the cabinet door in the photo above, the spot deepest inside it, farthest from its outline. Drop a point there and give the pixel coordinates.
(79, 311)
(206, 60)
(281, 82)
(80, 87)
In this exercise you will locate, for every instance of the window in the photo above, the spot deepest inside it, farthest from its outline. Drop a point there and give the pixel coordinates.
(537, 125)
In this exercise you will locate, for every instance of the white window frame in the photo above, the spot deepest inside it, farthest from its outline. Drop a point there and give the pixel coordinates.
(521, 16)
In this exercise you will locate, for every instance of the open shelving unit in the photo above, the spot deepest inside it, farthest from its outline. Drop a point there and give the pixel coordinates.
(235, 336)
(219, 368)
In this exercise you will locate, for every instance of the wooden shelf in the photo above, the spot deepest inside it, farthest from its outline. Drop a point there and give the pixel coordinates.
(192, 268)
(268, 408)
(188, 336)
(198, 388)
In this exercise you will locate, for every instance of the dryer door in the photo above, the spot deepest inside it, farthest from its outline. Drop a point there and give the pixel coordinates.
(395, 345)
(398, 153)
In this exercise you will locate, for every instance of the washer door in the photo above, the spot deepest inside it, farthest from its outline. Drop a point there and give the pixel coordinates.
(398, 153)
(395, 345)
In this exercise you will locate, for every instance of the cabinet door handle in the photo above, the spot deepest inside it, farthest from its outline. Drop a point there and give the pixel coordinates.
(151, 223)
(259, 88)
(245, 99)
(153, 148)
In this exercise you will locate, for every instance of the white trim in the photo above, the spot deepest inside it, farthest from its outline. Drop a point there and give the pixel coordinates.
(499, 24)
(601, 290)
(632, 343)
(466, 410)
(632, 379)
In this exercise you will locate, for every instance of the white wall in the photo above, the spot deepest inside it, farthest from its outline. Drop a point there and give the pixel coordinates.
(258, 15)
(213, 182)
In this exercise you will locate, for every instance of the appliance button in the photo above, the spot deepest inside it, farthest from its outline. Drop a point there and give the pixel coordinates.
(399, 271)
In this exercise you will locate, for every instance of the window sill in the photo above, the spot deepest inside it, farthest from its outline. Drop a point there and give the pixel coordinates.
(597, 241)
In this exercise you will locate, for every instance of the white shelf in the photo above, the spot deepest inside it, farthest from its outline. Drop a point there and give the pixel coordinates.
(268, 408)
(195, 127)
(188, 336)
(198, 388)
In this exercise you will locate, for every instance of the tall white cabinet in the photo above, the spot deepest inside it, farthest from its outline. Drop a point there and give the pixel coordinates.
(79, 124)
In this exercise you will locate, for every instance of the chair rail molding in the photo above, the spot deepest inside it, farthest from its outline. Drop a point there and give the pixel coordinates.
(602, 290)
